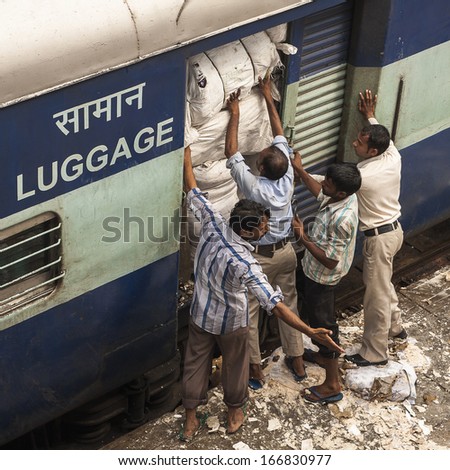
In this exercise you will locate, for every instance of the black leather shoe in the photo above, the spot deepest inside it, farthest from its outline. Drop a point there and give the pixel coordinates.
(361, 362)
(402, 335)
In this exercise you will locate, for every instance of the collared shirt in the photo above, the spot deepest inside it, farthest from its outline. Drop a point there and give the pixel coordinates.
(224, 269)
(334, 231)
(273, 195)
(378, 197)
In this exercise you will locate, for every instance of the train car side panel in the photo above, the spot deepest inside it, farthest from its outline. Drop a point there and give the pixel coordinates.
(95, 129)
(87, 347)
(104, 156)
(110, 228)
(391, 30)
(408, 73)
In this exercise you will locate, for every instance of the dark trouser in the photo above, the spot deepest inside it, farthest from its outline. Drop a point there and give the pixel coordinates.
(318, 311)
(197, 366)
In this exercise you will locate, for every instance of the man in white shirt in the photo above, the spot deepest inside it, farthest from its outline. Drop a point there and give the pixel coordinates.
(379, 211)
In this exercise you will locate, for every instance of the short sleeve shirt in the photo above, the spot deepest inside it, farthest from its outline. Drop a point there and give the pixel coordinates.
(378, 197)
(334, 231)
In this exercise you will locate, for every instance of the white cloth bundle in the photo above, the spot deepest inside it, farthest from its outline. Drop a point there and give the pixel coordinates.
(215, 74)
(208, 141)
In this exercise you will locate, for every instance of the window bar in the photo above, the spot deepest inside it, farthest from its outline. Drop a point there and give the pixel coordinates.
(32, 288)
(31, 238)
(32, 254)
(21, 278)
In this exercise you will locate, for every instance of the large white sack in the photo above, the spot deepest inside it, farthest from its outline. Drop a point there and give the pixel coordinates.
(277, 33)
(215, 74)
(264, 55)
(254, 134)
(204, 94)
(234, 66)
(212, 174)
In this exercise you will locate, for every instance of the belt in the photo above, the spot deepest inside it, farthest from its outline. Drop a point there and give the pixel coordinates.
(382, 229)
(269, 250)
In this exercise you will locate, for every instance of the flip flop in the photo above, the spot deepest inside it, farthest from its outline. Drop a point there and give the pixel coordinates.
(289, 364)
(256, 384)
(202, 417)
(322, 400)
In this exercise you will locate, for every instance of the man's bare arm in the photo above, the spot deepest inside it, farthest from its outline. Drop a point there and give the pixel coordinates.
(321, 335)
(231, 138)
(317, 252)
(275, 121)
(300, 174)
(189, 178)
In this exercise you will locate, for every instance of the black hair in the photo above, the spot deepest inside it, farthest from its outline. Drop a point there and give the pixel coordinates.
(345, 176)
(247, 215)
(379, 137)
(275, 163)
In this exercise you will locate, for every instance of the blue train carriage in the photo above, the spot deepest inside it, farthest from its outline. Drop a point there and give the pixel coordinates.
(401, 49)
(398, 48)
(92, 112)
(91, 187)
(92, 125)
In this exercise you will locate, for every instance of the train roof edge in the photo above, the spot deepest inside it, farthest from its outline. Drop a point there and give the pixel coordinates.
(50, 44)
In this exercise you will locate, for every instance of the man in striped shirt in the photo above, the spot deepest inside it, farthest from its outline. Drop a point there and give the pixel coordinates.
(329, 249)
(224, 271)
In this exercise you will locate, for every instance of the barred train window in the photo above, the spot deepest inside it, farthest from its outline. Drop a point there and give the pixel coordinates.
(30, 261)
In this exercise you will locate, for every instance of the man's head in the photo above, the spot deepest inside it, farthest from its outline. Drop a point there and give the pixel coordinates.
(373, 140)
(272, 163)
(341, 181)
(249, 219)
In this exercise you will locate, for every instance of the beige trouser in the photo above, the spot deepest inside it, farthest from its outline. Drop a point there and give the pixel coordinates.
(280, 271)
(382, 317)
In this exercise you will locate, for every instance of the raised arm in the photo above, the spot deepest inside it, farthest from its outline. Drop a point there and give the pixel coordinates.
(367, 103)
(275, 121)
(189, 178)
(300, 174)
(231, 139)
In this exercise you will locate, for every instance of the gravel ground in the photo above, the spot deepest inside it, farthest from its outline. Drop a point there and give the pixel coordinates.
(278, 418)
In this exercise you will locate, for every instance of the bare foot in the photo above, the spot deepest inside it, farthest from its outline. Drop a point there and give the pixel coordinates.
(322, 394)
(327, 390)
(316, 358)
(235, 419)
(191, 426)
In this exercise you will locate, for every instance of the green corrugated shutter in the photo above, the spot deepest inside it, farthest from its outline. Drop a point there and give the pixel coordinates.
(320, 93)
